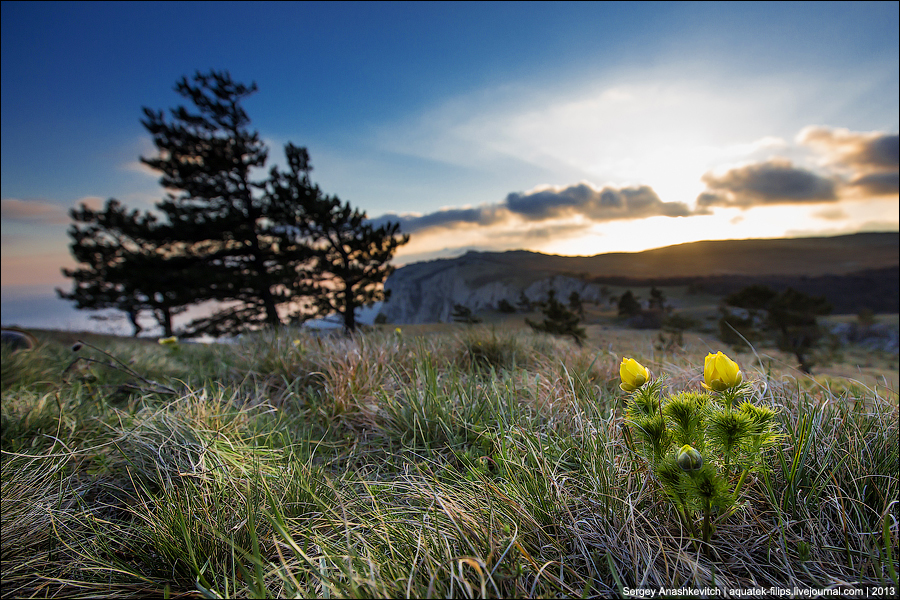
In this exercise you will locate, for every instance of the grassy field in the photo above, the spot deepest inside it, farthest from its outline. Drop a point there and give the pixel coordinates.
(430, 461)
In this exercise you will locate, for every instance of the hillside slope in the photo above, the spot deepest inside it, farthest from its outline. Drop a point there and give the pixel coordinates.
(426, 292)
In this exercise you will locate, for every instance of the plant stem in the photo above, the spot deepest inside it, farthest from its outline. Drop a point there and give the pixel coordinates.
(706, 532)
(683, 512)
(740, 482)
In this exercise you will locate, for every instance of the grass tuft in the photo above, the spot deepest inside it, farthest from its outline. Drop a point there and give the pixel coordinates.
(485, 463)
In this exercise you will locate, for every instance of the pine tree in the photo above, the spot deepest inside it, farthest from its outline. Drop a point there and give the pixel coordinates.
(222, 218)
(793, 315)
(463, 314)
(629, 306)
(558, 320)
(524, 304)
(575, 304)
(122, 267)
(790, 315)
(262, 252)
(350, 256)
(657, 299)
(504, 306)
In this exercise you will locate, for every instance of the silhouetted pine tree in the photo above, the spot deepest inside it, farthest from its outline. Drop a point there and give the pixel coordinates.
(350, 256)
(121, 266)
(629, 306)
(264, 251)
(222, 217)
(657, 299)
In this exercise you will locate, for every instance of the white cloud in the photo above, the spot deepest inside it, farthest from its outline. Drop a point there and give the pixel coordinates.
(661, 127)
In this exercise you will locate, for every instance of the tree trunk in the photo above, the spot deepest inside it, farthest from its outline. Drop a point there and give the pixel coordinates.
(164, 318)
(132, 316)
(349, 312)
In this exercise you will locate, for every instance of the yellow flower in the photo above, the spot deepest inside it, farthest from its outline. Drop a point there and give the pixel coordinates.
(688, 458)
(296, 343)
(721, 373)
(633, 374)
(398, 331)
(169, 341)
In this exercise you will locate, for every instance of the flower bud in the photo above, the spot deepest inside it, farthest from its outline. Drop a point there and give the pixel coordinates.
(169, 341)
(720, 373)
(688, 459)
(633, 374)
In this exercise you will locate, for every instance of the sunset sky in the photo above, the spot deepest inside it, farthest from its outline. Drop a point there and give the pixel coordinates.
(564, 128)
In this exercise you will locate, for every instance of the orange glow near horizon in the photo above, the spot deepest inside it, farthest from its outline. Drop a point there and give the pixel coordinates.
(585, 239)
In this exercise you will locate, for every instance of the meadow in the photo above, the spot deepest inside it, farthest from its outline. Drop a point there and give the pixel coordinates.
(457, 462)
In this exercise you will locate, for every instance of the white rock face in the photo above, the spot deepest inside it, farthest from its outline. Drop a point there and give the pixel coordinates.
(564, 286)
(427, 292)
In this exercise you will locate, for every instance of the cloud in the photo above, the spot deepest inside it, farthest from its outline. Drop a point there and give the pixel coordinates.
(452, 217)
(870, 160)
(551, 203)
(136, 166)
(867, 150)
(878, 184)
(775, 181)
(831, 214)
(545, 232)
(32, 211)
(604, 204)
(41, 211)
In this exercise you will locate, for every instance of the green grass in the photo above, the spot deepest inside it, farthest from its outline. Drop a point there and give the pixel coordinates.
(481, 463)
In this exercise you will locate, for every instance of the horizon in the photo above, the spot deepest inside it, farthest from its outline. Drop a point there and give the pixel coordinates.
(799, 237)
(114, 322)
(560, 128)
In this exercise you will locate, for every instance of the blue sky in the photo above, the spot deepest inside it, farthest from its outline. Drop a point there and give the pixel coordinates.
(569, 128)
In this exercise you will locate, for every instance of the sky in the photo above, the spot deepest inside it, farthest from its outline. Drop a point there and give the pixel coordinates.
(564, 128)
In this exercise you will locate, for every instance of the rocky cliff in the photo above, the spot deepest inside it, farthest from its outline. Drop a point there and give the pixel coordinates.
(426, 292)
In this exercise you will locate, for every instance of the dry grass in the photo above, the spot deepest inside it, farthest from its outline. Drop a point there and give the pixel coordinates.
(471, 463)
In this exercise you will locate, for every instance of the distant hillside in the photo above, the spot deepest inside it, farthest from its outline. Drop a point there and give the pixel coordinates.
(864, 263)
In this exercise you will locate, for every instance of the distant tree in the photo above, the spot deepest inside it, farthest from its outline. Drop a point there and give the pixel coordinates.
(575, 304)
(123, 267)
(657, 299)
(263, 251)
(629, 305)
(558, 320)
(790, 315)
(749, 323)
(672, 334)
(252, 265)
(794, 315)
(463, 314)
(350, 255)
(524, 304)
(505, 307)
(755, 298)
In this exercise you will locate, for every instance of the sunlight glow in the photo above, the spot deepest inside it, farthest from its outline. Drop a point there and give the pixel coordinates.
(580, 237)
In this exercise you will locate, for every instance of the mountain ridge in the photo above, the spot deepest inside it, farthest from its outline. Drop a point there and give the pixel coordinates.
(426, 291)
